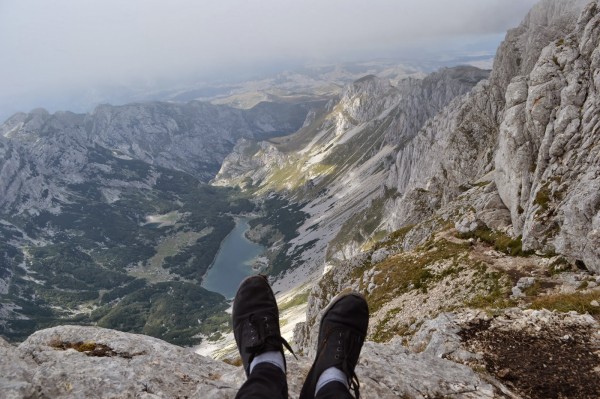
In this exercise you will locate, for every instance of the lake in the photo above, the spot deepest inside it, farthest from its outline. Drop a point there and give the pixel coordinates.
(233, 262)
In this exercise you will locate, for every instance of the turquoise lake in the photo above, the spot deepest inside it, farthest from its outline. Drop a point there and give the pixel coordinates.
(233, 262)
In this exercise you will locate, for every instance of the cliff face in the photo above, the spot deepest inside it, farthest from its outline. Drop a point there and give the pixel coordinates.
(548, 159)
(496, 208)
(459, 145)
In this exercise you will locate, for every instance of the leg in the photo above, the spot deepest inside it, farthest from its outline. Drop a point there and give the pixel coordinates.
(255, 319)
(334, 390)
(341, 335)
(265, 381)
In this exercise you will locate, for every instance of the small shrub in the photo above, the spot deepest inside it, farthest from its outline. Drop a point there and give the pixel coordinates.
(500, 241)
(237, 362)
(542, 198)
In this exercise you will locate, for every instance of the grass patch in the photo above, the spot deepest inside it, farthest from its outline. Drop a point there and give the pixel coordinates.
(500, 241)
(384, 333)
(288, 177)
(542, 198)
(237, 362)
(397, 237)
(579, 302)
(481, 184)
(402, 273)
(297, 300)
(495, 295)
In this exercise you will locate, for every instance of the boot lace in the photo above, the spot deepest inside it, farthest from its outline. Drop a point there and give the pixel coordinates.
(264, 335)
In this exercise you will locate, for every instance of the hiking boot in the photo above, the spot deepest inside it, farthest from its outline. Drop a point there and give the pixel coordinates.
(341, 335)
(255, 319)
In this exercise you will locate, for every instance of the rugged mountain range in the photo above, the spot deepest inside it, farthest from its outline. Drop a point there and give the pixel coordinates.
(193, 138)
(491, 202)
(100, 212)
(336, 165)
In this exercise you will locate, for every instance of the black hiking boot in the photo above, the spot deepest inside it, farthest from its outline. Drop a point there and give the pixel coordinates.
(255, 319)
(341, 335)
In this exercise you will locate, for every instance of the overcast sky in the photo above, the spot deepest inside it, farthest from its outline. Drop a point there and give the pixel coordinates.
(52, 47)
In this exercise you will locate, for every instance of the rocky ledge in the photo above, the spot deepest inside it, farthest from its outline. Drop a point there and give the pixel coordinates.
(469, 354)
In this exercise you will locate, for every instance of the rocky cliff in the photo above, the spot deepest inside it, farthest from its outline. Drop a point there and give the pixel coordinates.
(489, 202)
(547, 164)
(497, 207)
(91, 362)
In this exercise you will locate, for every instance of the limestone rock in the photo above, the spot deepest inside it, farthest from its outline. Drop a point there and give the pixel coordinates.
(91, 362)
(547, 161)
(133, 366)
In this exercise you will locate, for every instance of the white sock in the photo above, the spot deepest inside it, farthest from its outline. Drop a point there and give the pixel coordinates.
(329, 375)
(273, 357)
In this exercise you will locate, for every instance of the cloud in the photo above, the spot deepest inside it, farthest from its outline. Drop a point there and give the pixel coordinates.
(59, 45)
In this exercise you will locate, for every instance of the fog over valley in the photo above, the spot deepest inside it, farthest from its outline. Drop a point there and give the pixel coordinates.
(73, 55)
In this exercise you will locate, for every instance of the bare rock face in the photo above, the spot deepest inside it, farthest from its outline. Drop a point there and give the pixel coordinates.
(535, 123)
(458, 145)
(548, 20)
(91, 362)
(548, 164)
(454, 148)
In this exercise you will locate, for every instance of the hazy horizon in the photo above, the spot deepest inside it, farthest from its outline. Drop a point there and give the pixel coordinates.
(74, 54)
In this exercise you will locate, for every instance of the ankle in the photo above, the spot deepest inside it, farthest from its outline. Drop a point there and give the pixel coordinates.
(332, 374)
(273, 357)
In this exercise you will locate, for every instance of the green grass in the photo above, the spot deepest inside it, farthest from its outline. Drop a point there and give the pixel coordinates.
(401, 273)
(543, 197)
(500, 241)
(384, 333)
(577, 301)
(395, 238)
(495, 292)
(297, 300)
